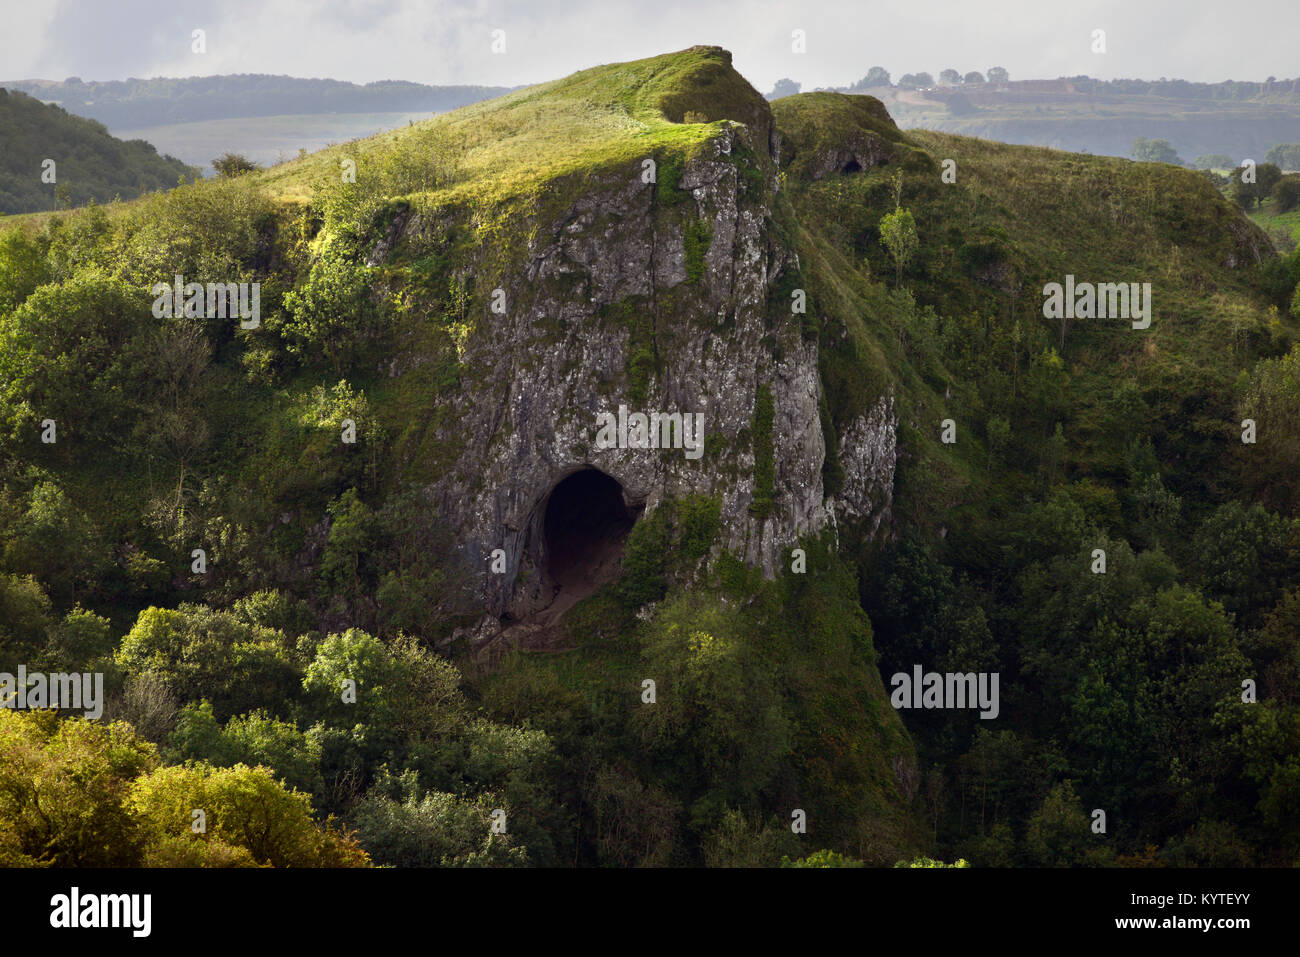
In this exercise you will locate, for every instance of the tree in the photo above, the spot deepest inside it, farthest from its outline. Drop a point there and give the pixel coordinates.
(1284, 155)
(949, 77)
(1058, 831)
(174, 426)
(898, 233)
(61, 791)
(912, 81)
(974, 76)
(70, 353)
(331, 313)
(783, 87)
(1246, 193)
(233, 164)
(435, 829)
(57, 541)
(1272, 399)
(876, 76)
(243, 807)
(723, 729)
(23, 267)
(352, 532)
(1155, 151)
(1213, 161)
(998, 74)
(202, 653)
(1286, 193)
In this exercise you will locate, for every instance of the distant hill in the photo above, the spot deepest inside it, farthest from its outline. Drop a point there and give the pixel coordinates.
(135, 103)
(89, 163)
(912, 458)
(1081, 114)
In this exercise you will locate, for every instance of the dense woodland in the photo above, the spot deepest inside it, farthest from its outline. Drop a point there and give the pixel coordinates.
(1121, 691)
(89, 164)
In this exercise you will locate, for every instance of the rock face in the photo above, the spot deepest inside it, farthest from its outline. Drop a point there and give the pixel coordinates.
(868, 454)
(660, 304)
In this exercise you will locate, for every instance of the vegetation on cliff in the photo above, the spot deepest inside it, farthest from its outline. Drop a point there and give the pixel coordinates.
(325, 560)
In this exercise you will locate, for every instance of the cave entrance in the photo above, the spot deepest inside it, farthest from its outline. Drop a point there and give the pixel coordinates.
(852, 166)
(585, 529)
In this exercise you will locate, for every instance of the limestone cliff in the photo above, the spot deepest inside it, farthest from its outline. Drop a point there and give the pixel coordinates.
(656, 293)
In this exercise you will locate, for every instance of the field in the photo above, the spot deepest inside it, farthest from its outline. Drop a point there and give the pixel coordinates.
(265, 140)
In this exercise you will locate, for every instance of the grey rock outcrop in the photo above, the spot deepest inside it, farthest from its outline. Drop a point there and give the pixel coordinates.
(561, 353)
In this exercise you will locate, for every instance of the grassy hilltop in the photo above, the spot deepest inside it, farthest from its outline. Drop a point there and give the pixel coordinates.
(326, 561)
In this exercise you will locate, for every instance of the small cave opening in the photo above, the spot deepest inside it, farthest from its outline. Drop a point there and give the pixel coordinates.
(852, 166)
(585, 528)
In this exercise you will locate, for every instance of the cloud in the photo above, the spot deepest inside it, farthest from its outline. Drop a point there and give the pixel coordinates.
(450, 42)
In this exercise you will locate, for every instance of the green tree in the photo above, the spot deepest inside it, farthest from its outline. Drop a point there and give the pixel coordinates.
(243, 807)
(352, 532)
(1286, 193)
(233, 164)
(253, 739)
(912, 81)
(876, 76)
(1272, 399)
(434, 829)
(331, 314)
(61, 791)
(1155, 151)
(1284, 155)
(898, 233)
(70, 353)
(1251, 188)
(202, 653)
(1058, 831)
(739, 841)
(719, 724)
(1213, 161)
(22, 268)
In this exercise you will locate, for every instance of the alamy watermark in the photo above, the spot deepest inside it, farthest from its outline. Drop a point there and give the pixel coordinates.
(78, 691)
(75, 909)
(1107, 300)
(950, 690)
(214, 300)
(656, 430)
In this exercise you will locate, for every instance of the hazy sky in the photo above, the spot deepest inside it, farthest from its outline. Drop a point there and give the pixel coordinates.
(449, 41)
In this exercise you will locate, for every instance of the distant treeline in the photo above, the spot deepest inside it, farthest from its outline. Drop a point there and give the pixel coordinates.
(1234, 90)
(1184, 89)
(124, 104)
(88, 163)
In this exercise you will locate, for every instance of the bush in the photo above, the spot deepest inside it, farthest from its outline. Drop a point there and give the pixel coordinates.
(243, 808)
(435, 829)
(61, 790)
(201, 653)
(1286, 194)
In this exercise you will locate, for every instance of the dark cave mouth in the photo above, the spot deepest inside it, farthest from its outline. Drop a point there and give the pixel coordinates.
(585, 528)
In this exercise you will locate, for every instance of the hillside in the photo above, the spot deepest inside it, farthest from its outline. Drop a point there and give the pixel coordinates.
(163, 101)
(89, 163)
(665, 655)
(266, 118)
(1093, 116)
